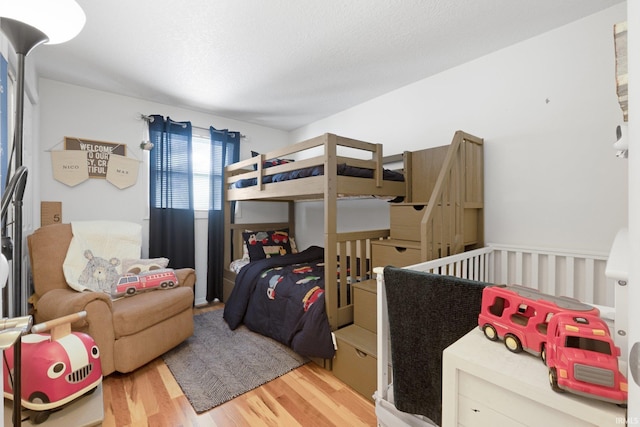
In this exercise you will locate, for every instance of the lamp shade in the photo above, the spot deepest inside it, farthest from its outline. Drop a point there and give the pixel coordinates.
(59, 20)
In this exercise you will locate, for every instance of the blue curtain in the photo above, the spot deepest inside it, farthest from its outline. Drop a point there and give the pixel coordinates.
(171, 213)
(225, 149)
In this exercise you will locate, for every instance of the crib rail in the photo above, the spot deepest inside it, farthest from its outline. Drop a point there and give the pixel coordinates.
(577, 274)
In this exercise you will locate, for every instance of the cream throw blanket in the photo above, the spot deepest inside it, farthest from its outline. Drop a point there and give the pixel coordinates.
(96, 251)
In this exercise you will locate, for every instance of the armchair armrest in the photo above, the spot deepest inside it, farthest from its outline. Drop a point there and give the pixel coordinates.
(61, 302)
(186, 277)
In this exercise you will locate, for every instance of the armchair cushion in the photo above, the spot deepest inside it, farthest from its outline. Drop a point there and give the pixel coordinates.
(138, 312)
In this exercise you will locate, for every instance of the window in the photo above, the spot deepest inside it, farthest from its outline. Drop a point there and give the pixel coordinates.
(201, 158)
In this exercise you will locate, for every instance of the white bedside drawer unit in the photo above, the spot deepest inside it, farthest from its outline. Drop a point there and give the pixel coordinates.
(484, 384)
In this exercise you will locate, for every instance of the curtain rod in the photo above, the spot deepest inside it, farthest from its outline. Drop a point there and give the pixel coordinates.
(150, 119)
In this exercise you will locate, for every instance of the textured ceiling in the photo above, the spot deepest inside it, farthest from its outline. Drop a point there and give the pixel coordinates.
(286, 63)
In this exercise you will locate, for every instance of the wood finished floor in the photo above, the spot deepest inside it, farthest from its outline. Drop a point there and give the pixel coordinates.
(306, 396)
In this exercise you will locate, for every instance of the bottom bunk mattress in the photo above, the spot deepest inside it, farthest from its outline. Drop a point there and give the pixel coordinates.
(283, 298)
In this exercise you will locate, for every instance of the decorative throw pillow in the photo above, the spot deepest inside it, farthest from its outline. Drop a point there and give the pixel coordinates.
(137, 266)
(272, 162)
(131, 284)
(245, 250)
(266, 244)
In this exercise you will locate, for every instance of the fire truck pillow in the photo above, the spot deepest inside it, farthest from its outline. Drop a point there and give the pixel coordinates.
(97, 249)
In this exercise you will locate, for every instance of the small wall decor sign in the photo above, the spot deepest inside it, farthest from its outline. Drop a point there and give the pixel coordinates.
(122, 171)
(98, 153)
(69, 167)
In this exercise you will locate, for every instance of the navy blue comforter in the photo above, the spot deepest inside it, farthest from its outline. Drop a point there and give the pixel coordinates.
(343, 169)
(283, 298)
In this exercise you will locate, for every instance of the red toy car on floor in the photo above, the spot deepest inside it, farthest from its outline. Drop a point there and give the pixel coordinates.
(56, 368)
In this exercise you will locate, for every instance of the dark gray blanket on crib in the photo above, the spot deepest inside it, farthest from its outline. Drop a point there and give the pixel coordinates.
(427, 313)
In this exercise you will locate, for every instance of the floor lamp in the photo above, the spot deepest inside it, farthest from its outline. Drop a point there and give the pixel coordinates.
(27, 24)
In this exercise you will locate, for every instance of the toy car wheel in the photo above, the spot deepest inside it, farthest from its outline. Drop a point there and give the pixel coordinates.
(38, 417)
(490, 332)
(131, 291)
(543, 354)
(171, 284)
(163, 285)
(512, 343)
(553, 380)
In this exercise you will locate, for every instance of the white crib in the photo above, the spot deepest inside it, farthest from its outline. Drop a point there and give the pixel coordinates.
(577, 274)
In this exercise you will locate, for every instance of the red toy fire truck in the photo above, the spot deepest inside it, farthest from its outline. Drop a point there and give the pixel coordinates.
(568, 335)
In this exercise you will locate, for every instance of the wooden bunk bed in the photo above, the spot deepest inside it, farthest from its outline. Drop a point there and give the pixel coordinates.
(442, 175)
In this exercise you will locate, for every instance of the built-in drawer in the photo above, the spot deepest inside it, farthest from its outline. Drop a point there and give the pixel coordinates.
(405, 220)
(365, 305)
(355, 362)
(398, 253)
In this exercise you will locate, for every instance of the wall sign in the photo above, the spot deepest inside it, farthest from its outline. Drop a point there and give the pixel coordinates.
(69, 167)
(97, 153)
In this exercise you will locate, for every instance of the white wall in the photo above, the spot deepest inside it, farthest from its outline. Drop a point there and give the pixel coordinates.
(68, 110)
(551, 177)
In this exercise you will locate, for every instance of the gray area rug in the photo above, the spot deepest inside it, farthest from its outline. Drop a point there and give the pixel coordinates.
(217, 364)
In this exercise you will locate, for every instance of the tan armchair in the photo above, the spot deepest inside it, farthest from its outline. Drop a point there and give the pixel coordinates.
(130, 331)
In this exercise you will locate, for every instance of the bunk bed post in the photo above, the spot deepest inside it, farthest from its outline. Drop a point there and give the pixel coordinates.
(330, 230)
(408, 197)
(377, 157)
(228, 250)
(292, 218)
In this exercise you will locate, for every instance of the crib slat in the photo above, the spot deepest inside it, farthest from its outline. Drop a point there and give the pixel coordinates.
(504, 264)
(551, 274)
(535, 271)
(570, 282)
(518, 268)
(589, 279)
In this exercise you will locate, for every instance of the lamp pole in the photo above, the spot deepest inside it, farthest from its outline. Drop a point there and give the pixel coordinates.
(24, 38)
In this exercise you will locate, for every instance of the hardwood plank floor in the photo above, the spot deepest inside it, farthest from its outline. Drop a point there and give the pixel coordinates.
(307, 396)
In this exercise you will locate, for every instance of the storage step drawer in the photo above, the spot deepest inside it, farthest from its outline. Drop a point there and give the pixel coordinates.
(398, 253)
(365, 305)
(355, 362)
